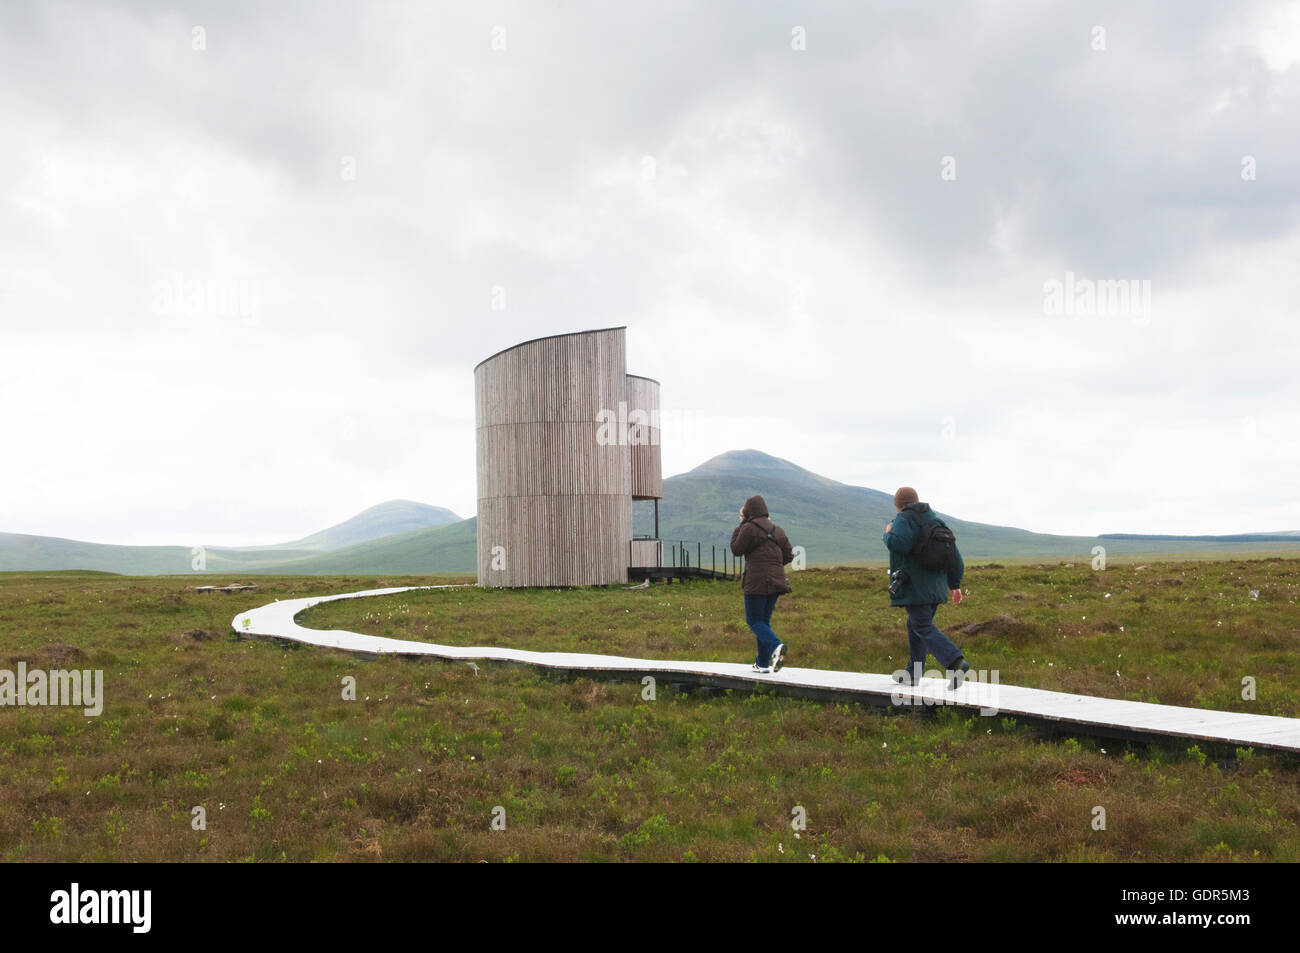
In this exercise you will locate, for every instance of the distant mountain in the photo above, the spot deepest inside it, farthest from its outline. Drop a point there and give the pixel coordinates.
(389, 521)
(836, 522)
(1233, 538)
(385, 519)
(19, 552)
(443, 549)
(757, 465)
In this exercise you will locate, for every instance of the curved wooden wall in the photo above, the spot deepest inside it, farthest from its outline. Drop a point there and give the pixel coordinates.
(554, 496)
(643, 441)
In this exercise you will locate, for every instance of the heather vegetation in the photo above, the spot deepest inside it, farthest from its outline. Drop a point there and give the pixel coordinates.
(430, 754)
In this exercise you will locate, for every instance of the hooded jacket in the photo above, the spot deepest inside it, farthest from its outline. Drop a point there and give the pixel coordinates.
(765, 558)
(923, 586)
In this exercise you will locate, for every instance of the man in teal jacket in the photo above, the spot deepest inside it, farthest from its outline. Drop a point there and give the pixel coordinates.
(920, 591)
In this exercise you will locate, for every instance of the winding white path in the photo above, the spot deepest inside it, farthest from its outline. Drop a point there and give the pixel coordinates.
(1105, 716)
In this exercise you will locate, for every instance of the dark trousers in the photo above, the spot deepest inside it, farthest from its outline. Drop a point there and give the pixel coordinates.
(758, 616)
(923, 636)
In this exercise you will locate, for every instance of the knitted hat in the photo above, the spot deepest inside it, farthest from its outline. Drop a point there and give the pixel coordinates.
(904, 496)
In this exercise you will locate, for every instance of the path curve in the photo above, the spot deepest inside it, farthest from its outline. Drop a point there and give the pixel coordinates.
(1091, 715)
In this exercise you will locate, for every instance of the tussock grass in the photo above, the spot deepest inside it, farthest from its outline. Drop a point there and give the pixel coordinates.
(258, 734)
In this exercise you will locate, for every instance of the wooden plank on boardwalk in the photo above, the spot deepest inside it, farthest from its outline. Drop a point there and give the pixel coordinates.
(1103, 715)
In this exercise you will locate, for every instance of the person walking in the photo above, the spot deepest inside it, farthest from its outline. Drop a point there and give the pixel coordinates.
(920, 590)
(767, 551)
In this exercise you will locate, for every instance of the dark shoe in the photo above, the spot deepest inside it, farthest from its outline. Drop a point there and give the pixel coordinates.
(958, 670)
(778, 656)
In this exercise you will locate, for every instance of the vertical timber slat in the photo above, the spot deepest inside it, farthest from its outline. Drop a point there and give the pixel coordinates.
(552, 491)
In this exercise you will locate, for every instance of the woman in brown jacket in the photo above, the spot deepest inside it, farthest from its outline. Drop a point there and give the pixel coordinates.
(767, 551)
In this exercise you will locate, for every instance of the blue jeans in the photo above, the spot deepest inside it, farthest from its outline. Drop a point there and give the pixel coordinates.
(923, 636)
(758, 616)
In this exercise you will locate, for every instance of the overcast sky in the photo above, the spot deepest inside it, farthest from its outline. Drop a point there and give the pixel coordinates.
(251, 252)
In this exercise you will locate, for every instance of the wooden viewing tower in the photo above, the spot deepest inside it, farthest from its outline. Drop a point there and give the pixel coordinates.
(566, 440)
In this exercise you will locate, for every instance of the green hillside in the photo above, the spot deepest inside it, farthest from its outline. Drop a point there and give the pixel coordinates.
(833, 522)
(19, 552)
(385, 519)
(836, 522)
(389, 521)
(452, 548)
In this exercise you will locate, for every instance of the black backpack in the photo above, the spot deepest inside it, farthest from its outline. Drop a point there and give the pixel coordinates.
(935, 548)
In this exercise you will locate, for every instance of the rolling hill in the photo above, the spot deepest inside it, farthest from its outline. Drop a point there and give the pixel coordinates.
(449, 548)
(21, 553)
(834, 523)
(387, 521)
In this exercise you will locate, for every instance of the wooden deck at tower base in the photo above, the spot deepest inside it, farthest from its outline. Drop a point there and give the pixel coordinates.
(669, 573)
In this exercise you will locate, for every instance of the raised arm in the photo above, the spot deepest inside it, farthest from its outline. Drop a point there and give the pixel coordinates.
(900, 535)
(741, 541)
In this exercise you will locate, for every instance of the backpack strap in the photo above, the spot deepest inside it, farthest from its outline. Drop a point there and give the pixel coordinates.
(769, 534)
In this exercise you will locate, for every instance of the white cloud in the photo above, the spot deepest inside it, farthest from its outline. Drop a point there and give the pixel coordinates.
(784, 262)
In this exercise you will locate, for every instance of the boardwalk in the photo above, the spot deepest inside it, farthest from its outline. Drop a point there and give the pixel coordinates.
(1080, 714)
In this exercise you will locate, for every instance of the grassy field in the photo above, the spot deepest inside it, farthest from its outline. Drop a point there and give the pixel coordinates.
(429, 753)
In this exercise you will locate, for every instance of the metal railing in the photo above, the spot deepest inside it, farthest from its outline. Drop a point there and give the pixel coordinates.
(679, 556)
